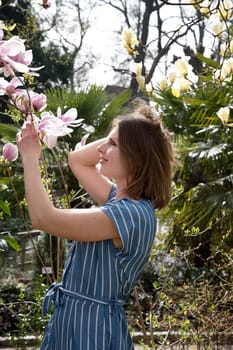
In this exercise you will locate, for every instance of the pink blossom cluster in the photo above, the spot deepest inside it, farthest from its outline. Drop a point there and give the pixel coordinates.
(16, 60)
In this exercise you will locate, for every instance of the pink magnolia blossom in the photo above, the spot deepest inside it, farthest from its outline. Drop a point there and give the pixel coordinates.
(82, 142)
(51, 126)
(14, 57)
(29, 101)
(9, 87)
(70, 117)
(38, 101)
(10, 151)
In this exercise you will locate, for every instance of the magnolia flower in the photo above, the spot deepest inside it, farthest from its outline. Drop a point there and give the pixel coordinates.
(163, 84)
(225, 9)
(14, 57)
(226, 71)
(218, 75)
(129, 40)
(7, 87)
(231, 46)
(149, 88)
(141, 81)
(217, 25)
(51, 126)
(69, 118)
(82, 142)
(29, 101)
(223, 114)
(139, 77)
(204, 7)
(184, 84)
(182, 67)
(10, 152)
(180, 85)
(227, 66)
(172, 76)
(223, 49)
(175, 89)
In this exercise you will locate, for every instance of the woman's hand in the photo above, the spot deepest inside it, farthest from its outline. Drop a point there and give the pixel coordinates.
(28, 142)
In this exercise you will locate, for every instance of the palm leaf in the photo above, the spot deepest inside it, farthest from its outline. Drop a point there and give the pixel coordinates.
(8, 132)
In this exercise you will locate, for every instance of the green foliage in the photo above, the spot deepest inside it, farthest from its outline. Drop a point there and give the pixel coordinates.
(20, 311)
(205, 148)
(8, 132)
(6, 240)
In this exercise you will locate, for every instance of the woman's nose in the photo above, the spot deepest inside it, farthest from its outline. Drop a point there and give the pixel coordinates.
(100, 148)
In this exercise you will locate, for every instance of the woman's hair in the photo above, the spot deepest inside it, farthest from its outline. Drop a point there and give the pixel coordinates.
(148, 152)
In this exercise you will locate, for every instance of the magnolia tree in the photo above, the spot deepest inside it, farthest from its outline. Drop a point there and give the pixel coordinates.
(15, 60)
(25, 104)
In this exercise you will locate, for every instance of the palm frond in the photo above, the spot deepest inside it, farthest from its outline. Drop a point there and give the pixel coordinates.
(8, 132)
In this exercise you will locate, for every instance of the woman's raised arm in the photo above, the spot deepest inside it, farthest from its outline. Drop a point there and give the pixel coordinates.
(83, 163)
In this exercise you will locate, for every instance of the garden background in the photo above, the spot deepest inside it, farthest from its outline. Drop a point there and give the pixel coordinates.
(177, 55)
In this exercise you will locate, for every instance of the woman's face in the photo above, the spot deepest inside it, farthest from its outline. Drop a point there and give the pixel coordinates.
(111, 161)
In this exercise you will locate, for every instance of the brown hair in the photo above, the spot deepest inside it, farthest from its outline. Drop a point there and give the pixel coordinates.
(148, 152)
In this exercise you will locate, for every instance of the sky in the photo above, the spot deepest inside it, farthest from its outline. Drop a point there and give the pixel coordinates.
(103, 39)
(100, 37)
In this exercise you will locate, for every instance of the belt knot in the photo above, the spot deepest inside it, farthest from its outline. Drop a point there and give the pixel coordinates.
(53, 294)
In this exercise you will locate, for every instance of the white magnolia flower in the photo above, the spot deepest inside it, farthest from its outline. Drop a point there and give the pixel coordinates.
(204, 7)
(223, 114)
(163, 84)
(149, 88)
(137, 69)
(227, 67)
(223, 49)
(217, 25)
(129, 40)
(182, 67)
(231, 46)
(225, 9)
(141, 81)
(172, 76)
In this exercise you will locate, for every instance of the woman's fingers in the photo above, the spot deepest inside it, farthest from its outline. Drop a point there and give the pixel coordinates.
(27, 129)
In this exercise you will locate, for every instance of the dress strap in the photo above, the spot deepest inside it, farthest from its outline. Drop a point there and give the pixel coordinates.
(56, 292)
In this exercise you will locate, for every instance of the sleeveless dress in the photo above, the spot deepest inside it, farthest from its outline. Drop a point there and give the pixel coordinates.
(97, 279)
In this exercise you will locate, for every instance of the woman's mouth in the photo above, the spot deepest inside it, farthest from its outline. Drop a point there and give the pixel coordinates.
(102, 160)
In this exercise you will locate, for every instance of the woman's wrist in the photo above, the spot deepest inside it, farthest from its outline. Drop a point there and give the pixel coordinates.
(30, 161)
(86, 155)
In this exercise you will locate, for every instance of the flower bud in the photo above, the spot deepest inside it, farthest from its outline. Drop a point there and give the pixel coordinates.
(10, 152)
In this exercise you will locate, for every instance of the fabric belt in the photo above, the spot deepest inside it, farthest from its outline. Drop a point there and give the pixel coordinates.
(56, 292)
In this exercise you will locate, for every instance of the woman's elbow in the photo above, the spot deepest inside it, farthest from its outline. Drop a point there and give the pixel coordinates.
(36, 223)
(72, 159)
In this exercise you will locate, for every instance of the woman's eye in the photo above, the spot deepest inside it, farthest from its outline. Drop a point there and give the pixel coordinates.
(113, 143)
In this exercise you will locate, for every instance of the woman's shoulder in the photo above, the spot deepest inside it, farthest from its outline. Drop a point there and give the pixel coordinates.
(135, 209)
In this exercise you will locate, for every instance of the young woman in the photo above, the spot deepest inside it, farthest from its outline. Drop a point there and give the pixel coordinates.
(128, 174)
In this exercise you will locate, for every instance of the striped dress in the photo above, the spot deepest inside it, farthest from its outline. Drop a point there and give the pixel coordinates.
(97, 279)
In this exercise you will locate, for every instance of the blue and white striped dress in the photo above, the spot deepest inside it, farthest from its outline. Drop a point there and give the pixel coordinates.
(97, 279)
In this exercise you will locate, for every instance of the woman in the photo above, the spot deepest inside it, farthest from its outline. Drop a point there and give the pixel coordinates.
(112, 241)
